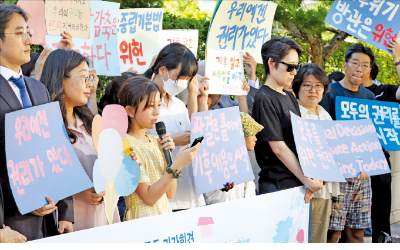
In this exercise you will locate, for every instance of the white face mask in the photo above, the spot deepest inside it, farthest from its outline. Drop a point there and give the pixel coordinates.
(173, 88)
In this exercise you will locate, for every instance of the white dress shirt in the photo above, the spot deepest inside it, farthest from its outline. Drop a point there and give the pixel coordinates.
(255, 84)
(7, 74)
(332, 187)
(176, 119)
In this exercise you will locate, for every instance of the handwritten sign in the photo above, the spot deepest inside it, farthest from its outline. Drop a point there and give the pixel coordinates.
(225, 69)
(40, 159)
(385, 116)
(223, 155)
(243, 26)
(315, 156)
(354, 146)
(36, 21)
(137, 37)
(284, 219)
(102, 47)
(72, 16)
(374, 22)
(189, 38)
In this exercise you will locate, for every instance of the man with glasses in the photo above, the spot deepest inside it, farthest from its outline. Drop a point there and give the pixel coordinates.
(351, 210)
(18, 92)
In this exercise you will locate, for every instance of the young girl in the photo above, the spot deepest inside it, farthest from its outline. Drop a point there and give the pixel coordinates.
(142, 100)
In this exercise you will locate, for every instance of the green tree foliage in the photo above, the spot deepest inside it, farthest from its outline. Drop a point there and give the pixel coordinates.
(128, 4)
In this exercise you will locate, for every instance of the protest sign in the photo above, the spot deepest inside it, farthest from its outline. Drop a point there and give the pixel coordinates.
(374, 22)
(137, 37)
(223, 155)
(284, 219)
(314, 154)
(102, 47)
(40, 159)
(385, 116)
(36, 21)
(72, 16)
(189, 38)
(354, 147)
(225, 69)
(243, 26)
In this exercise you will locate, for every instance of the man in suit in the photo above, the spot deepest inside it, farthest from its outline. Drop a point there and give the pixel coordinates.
(17, 92)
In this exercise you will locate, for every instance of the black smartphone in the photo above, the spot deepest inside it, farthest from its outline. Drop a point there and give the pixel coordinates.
(197, 140)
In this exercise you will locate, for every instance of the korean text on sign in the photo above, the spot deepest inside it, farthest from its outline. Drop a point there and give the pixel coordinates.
(225, 69)
(315, 157)
(189, 38)
(102, 47)
(137, 37)
(242, 25)
(374, 22)
(72, 16)
(223, 155)
(384, 115)
(39, 155)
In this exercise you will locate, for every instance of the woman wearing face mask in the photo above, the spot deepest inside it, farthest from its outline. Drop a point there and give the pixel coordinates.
(173, 71)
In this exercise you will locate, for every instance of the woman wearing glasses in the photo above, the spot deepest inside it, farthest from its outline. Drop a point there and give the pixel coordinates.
(66, 75)
(275, 149)
(310, 85)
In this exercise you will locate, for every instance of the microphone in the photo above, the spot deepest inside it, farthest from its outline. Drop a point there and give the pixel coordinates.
(161, 131)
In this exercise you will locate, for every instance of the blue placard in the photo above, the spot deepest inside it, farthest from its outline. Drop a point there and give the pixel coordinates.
(354, 146)
(374, 22)
(223, 155)
(40, 159)
(385, 116)
(315, 156)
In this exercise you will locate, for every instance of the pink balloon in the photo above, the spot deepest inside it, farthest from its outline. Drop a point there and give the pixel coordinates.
(114, 116)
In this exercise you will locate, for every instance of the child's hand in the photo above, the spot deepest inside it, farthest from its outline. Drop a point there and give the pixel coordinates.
(185, 156)
(134, 157)
(362, 176)
(166, 143)
(90, 196)
(204, 86)
(250, 65)
(245, 85)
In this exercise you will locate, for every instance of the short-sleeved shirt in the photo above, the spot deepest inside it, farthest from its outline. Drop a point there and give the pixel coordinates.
(152, 170)
(272, 110)
(385, 92)
(336, 89)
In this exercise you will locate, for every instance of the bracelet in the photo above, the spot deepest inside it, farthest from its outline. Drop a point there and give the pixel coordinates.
(175, 173)
(397, 63)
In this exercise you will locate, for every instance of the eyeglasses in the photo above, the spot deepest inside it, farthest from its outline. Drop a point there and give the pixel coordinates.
(356, 64)
(317, 87)
(291, 67)
(88, 79)
(25, 33)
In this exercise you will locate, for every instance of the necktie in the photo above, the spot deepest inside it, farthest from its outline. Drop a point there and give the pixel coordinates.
(26, 103)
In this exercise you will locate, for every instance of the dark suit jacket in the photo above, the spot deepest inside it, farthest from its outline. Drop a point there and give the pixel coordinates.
(32, 226)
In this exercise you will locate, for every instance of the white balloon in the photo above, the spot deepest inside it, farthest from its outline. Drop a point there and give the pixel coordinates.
(110, 153)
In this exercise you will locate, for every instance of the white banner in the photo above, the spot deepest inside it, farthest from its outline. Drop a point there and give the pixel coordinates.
(269, 218)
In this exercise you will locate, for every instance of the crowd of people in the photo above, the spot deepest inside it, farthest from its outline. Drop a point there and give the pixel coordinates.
(171, 90)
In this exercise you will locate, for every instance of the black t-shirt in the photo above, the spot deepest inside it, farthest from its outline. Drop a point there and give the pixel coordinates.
(385, 92)
(336, 89)
(272, 110)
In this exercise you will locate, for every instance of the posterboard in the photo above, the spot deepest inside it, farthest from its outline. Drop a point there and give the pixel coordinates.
(225, 69)
(137, 37)
(385, 116)
(40, 159)
(189, 38)
(243, 26)
(315, 156)
(72, 16)
(353, 145)
(223, 155)
(36, 21)
(102, 47)
(284, 219)
(374, 22)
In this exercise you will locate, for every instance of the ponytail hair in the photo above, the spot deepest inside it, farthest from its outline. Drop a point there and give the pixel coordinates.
(171, 56)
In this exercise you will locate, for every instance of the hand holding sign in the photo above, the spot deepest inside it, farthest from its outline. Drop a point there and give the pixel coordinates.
(47, 209)
(90, 196)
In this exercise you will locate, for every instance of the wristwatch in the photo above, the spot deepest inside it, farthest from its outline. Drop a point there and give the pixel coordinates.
(175, 173)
